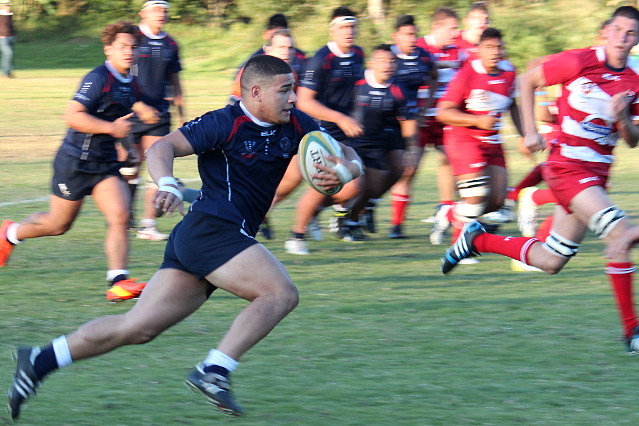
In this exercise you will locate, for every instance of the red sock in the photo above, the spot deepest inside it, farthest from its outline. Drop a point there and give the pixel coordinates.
(545, 228)
(532, 179)
(399, 203)
(544, 196)
(620, 275)
(447, 202)
(513, 247)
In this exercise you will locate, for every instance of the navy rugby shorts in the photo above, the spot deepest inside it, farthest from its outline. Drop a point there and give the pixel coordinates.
(74, 179)
(202, 243)
(139, 129)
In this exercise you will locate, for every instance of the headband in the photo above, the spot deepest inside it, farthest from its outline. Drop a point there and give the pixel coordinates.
(153, 3)
(340, 20)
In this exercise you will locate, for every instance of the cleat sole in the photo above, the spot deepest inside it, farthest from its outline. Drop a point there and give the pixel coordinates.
(222, 409)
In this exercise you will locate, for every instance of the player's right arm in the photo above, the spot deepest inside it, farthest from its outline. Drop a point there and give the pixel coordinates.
(529, 82)
(160, 164)
(77, 117)
(307, 102)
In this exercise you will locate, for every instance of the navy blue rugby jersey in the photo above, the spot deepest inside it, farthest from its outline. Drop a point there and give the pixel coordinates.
(241, 161)
(413, 71)
(333, 75)
(378, 107)
(158, 58)
(108, 96)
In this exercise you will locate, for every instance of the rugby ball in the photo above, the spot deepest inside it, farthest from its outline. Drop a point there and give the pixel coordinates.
(313, 150)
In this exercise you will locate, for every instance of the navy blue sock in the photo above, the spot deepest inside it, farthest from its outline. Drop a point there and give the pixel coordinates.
(298, 235)
(216, 369)
(45, 362)
(118, 278)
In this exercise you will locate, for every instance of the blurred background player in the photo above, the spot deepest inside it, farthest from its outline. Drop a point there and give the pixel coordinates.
(416, 71)
(475, 22)
(86, 163)
(7, 38)
(157, 67)
(276, 23)
(381, 107)
(448, 58)
(599, 104)
(473, 107)
(326, 94)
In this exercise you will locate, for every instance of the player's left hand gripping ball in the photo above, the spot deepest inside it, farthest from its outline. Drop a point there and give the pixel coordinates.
(317, 151)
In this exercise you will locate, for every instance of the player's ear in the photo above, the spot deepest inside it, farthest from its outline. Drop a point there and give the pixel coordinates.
(256, 93)
(107, 49)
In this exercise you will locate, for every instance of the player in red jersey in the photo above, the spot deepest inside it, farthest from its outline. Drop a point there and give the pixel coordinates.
(599, 104)
(440, 43)
(475, 23)
(472, 107)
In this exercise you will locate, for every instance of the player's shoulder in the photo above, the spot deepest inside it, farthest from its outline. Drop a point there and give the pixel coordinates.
(99, 73)
(303, 121)
(323, 52)
(170, 40)
(358, 51)
(506, 65)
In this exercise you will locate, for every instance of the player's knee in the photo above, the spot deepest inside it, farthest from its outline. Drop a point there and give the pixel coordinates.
(602, 222)
(139, 336)
(562, 250)
(288, 296)
(59, 229)
(476, 188)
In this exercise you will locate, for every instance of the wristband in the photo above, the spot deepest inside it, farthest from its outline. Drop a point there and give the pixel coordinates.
(544, 103)
(343, 174)
(541, 93)
(172, 190)
(167, 180)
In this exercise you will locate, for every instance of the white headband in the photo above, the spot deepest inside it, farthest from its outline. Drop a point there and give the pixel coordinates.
(340, 20)
(153, 3)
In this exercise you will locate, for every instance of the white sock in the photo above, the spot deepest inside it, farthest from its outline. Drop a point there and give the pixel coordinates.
(62, 353)
(115, 272)
(12, 233)
(148, 223)
(220, 358)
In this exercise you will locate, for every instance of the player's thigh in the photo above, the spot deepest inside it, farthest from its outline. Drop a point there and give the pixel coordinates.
(252, 273)
(593, 200)
(170, 296)
(112, 196)
(147, 141)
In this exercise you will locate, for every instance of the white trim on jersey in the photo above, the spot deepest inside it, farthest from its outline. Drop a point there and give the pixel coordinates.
(116, 74)
(584, 153)
(502, 65)
(228, 174)
(332, 46)
(369, 76)
(253, 118)
(144, 29)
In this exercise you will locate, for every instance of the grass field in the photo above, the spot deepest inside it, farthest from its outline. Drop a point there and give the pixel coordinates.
(380, 336)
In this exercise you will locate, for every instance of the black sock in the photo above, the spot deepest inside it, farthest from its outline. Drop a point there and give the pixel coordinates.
(45, 363)
(118, 278)
(216, 369)
(298, 235)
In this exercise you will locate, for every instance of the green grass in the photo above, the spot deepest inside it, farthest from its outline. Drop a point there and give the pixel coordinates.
(379, 337)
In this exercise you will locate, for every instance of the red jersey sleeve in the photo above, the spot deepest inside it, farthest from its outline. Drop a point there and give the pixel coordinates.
(563, 67)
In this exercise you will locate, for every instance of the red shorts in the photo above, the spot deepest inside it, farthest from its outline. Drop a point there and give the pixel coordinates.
(567, 179)
(472, 156)
(432, 133)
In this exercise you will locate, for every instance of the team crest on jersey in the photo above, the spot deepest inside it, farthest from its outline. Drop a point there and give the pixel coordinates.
(249, 149)
(588, 87)
(285, 144)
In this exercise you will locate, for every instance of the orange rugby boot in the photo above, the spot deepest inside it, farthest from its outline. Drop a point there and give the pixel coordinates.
(124, 290)
(5, 245)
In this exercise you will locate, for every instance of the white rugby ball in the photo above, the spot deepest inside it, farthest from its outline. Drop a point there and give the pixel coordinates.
(313, 150)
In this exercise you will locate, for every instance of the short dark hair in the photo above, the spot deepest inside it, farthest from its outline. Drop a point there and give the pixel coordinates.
(627, 12)
(277, 21)
(404, 20)
(443, 13)
(480, 6)
(111, 31)
(262, 67)
(489, 34)
(384, 47)
(605, 23)
(342, 11)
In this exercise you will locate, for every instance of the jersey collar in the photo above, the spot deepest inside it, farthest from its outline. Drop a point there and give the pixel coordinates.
(369, 75)
(253, 118)
(116, 74)
(332, 46)
(398, 52)
(144, 28)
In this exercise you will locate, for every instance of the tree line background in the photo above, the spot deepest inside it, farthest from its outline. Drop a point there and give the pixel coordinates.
(531, 28)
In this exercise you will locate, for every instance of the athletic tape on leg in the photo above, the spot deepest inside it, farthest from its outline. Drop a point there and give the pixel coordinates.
(560, 246)
(602, 222)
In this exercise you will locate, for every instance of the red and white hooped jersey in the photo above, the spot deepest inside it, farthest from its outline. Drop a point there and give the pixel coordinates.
(588, 124)
(479, 93)
(452, 54)
(472, 50)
